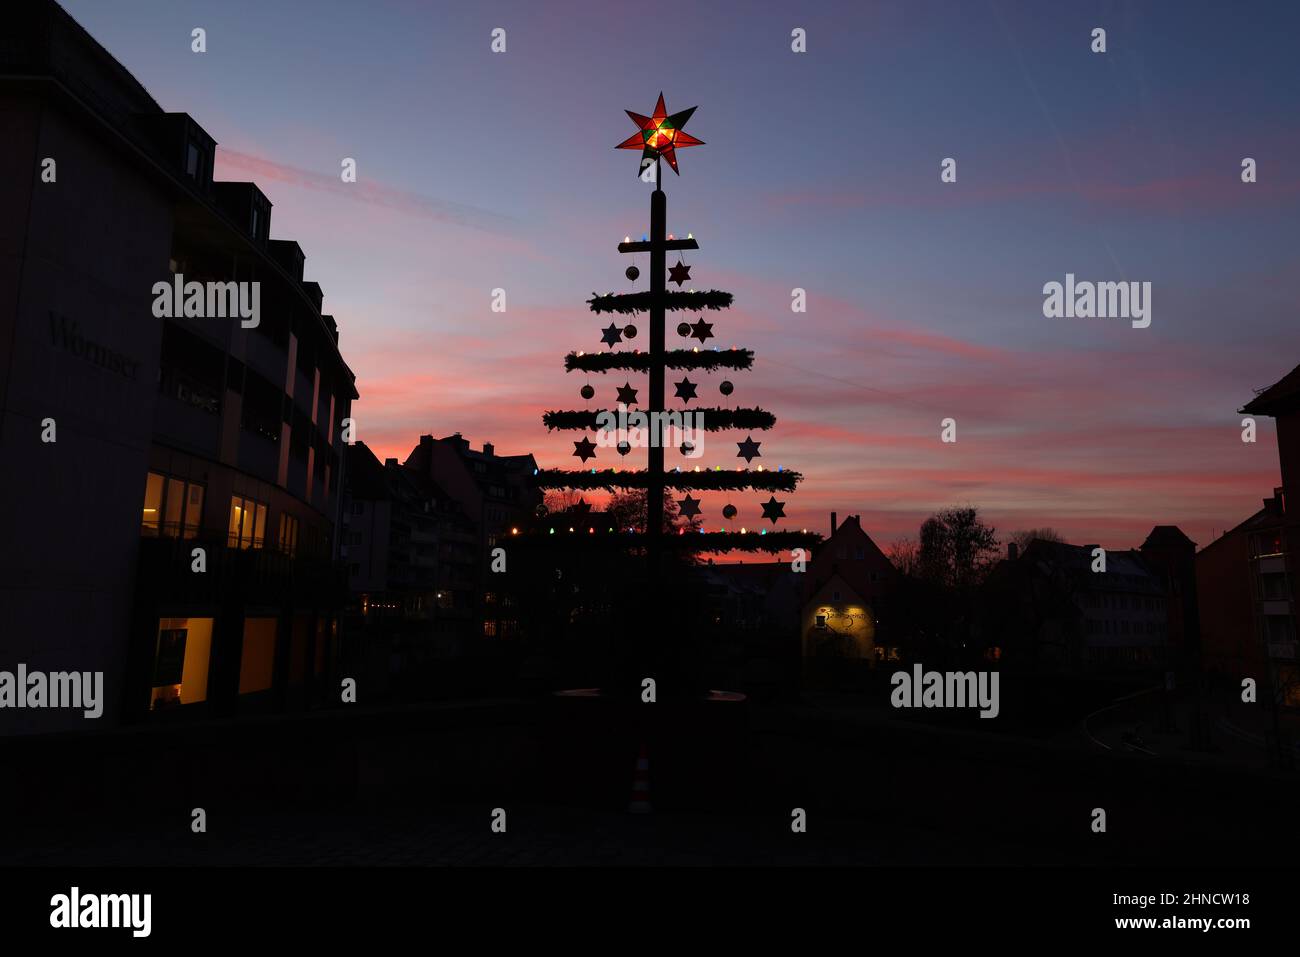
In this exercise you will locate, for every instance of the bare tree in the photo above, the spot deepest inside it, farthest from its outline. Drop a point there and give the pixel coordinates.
(1023, 536)
(905, 554)
(561, 500)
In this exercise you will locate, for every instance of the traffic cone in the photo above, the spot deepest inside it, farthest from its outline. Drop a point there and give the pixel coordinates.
(640, 803)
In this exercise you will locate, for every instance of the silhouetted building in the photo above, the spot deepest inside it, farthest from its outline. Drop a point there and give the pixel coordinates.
(498, 494)
(1246, 578)
(136, 428)
(1168, 551)
(847, 581)
(1060, 615)
(411, 552)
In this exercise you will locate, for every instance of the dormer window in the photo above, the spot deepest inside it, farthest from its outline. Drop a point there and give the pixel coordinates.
(196, 161)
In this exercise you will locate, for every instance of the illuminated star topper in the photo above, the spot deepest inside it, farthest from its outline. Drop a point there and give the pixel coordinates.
(660, 135)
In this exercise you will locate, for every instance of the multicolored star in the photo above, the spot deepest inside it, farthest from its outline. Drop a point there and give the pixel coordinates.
(660, 135)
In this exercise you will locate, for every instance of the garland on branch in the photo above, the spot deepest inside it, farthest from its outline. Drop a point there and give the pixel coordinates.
(712, 419)
(634, 302)
(706, 361)
(718, 480)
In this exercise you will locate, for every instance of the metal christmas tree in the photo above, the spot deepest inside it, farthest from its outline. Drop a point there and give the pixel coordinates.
(659, 136)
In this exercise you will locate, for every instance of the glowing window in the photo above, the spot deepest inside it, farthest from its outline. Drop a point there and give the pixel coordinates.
(180, 664)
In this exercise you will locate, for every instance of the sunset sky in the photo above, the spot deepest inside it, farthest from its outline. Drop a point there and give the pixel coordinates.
(821, 171)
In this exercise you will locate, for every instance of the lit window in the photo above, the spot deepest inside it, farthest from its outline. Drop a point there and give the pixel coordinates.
(288, 534)
(193, 509)
(153, 495)
(489, 629)
(173, 507)
(180, 664)
(247, 522)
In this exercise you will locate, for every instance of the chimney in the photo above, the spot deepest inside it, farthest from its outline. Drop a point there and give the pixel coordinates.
(1013, 551)
(487, 448)
(832, 523)
(390, 463)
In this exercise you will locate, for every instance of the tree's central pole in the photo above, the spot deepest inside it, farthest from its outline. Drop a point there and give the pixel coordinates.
(658, 284)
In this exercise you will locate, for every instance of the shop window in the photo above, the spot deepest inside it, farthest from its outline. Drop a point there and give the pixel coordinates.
(247, 522)
(257, 659)
(180, 662)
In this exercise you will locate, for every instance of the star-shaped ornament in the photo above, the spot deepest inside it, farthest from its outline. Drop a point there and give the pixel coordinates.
(660, 135)
(685, 390)
(626, 394)
(690, 507)
(679, 273)
(583, 507)
(773, 509)
(702, 330)
(612, 335)
(586, 449)
(749, 449)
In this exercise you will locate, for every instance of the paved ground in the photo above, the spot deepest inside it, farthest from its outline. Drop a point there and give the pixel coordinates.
(535, 836)
(404, 789)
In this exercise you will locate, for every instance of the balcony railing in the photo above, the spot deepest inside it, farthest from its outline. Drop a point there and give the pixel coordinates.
(249, 575)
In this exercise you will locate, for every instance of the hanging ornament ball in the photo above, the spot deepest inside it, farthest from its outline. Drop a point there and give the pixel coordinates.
(588, 392)
(729, 511)
(624, 448)
(687, 448)
(683, 329)
(726, 387)
(541, 511)
(632, 272)
(629, 331)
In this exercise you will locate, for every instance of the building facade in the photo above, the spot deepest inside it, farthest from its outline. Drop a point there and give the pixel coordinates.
(847, 582)
(1247, 578)
(1060, 609)
(411, 553)
(174, 460)
(498, 494)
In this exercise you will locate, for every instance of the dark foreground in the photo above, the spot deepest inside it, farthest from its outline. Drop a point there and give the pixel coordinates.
(419, 786)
